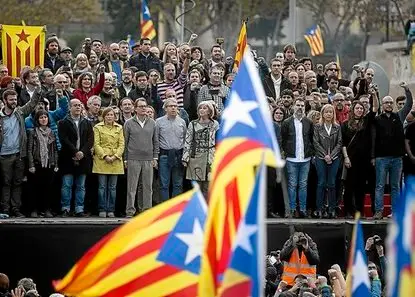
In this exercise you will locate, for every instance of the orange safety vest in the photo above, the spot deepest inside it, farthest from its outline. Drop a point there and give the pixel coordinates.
(297, 266)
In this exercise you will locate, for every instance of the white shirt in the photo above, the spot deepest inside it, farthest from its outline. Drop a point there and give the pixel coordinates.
(141, 122)
(127, 89)
(299, 143)
(277, 86)
(328, 128)
(30, 92)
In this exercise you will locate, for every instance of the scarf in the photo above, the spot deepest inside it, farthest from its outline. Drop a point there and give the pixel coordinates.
(45, 138)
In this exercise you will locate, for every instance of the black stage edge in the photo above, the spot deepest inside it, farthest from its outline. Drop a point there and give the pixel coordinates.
(46, 249)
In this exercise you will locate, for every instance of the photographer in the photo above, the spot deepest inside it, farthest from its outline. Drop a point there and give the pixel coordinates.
(375, 255)
(299, 256)
(375, 283)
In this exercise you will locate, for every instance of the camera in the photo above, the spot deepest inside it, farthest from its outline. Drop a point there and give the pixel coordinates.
(302, 240)
(220, 40)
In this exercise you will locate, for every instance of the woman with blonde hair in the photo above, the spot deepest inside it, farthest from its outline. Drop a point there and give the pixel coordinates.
(81, 65)
(199, 147)
(108, 163)
(109, 95)
(327, 141)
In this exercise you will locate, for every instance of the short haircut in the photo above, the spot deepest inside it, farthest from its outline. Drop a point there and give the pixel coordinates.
(333, 77)
(144, 39)
(42, 73)
(304, 59)
(26, 75)
(275, 60)
(128, 69)
(91, 99)
(140, 74)
(126, 98)
(96, 40)
(215, 45)
(141, 99)
(9, 92)
(168, 101)
(400, 98)
(287, 92)
(123, 42)
(217, 67)
(57, 77)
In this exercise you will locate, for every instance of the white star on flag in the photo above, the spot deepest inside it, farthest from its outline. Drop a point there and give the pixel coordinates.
(360, 272)
(245, 231)
(194, 242)
(146, 11)
(238, 111)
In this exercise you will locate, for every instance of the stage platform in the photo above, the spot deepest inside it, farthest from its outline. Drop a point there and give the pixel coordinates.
(45, 249)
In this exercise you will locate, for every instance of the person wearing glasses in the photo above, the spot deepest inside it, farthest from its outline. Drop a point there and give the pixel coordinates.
(388, 148)
(141, 154)
(323, 76)
(172, 134)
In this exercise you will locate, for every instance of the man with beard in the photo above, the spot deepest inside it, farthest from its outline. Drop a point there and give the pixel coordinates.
(287, 97)
(274, 83)
(388, 148)
(127, 83)
(52, 59)
(113, 63)
(66, 56)
(297, 144)
(216, 55)
(145, 60)
(145, 90)
(342, 111)
(13, 150)
(31, 83)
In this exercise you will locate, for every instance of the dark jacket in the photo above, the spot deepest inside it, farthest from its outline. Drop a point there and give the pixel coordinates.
(269, 85)
(144, 63)
(33, 150)
(388, 137)
(48, 63)
(322, 82)
(23, 97)
(123, 92)
(151, 96)
(311, 254)
(51, 96)
(325, 144)
(68, 137)
(190, 101)
(288, 137)
(22, 112)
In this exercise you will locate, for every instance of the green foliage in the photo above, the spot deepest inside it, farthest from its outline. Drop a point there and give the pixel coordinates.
(49, 12)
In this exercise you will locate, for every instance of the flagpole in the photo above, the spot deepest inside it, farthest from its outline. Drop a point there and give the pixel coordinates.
(293, 20)
(182, 21)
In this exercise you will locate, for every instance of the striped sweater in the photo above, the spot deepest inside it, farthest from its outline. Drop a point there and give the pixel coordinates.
(178, 85)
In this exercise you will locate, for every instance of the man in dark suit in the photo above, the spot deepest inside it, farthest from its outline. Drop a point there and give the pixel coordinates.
(52, 59)
(75, 159)
(274, 83)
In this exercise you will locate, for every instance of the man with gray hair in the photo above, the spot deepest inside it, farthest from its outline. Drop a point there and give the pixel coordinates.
(53, 97)
(172, 134)
(93, 106)
(141, 154)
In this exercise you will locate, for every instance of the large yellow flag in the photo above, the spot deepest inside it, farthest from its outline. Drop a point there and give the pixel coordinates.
(22, 46)
(241, 46)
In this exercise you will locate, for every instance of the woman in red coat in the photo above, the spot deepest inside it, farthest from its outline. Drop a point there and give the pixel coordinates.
(85, 88)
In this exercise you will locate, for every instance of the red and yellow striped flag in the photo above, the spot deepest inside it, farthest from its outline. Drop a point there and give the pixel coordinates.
(147, 25)
(315, 40)
(125, 263)
(240, 48)
(22, 46)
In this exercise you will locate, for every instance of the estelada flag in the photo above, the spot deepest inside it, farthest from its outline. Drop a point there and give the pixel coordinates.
(155, 254)
(22, 46)
(245, 139)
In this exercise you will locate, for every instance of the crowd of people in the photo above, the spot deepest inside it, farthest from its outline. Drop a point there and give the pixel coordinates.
(110, 133)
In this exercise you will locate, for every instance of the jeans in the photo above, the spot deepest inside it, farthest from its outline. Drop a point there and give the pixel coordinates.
(326, 179)
(170, 171)
(66, 192)
(12, 172)
(107, 191)
(297, 175)
(393, 166)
